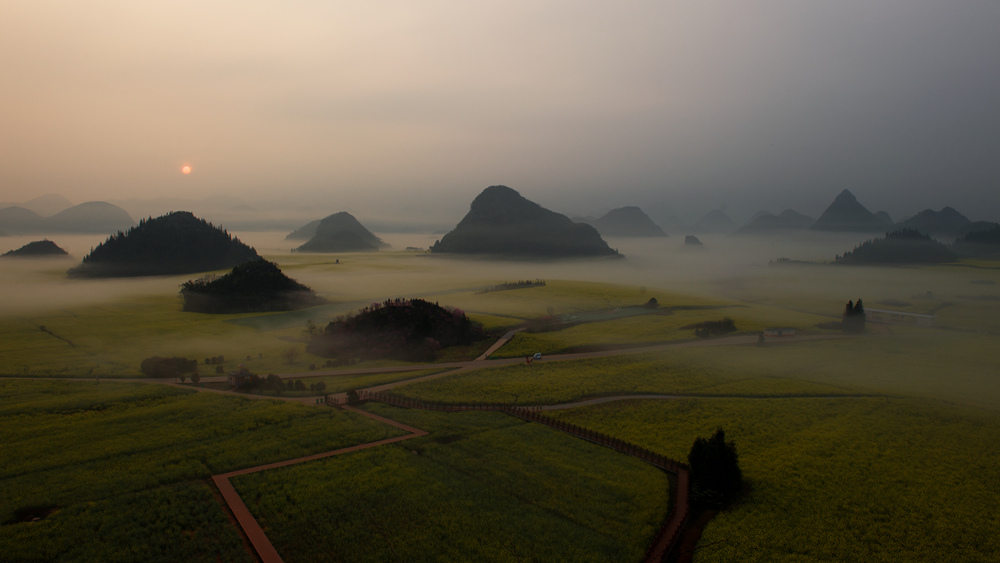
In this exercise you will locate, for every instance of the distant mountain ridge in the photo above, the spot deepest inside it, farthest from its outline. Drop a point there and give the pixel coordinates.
(341, 232)
(88, 217)
(175, 243)
(715, 221)
(502, 222)
(629, 221)
(946, 222)
(764, 223)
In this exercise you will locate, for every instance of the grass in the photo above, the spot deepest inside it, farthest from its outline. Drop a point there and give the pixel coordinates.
(659, 326)
(481, 486)
(855, 479)
(566, 381)
(128, 449)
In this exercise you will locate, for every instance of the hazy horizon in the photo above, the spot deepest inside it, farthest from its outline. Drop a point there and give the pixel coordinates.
(393, 110)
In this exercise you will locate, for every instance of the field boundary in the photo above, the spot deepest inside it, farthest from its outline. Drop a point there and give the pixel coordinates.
(679, 512)
(263, 546)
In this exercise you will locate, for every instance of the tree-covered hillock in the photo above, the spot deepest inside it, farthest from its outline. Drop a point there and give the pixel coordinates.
(904, 246)
(254, 286)
(979, 244)
(38, 248)
(401, 329)
(175, 243)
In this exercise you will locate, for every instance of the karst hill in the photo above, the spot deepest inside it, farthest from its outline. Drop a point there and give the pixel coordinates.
(175, 243)
(846, 214)
(629, 221)
(36, 249)
(502, 222)
(339, 232)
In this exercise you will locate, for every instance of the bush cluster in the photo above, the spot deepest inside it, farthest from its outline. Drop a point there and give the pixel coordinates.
(400, 329)
(168, 367)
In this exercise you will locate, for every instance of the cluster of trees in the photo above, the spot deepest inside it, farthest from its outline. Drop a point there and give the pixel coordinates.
(253, 286)
(980, 244)
(410, 330)
(514, 285)
(854, 317)
(176, 243)
(274, 383)
(157, 366)
(716, 478)
(903, 246)
(708, 329)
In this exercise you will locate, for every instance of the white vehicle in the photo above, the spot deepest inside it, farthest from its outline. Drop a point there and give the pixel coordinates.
(538, 355)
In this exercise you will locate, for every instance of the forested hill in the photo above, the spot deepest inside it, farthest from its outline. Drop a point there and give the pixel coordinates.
(905, 246)
(175, 243)
(45, 248)
(254, 286)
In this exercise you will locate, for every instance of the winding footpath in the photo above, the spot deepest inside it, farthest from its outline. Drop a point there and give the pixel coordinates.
(266, 550)
(258, 537)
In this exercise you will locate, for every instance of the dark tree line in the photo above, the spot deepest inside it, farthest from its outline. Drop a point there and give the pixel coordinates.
(708, 329)
(157, 366)
(904, 246)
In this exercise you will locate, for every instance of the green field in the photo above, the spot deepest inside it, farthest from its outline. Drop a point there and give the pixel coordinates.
(880, 447)
(853, 479)
(122, 462)
(481, 486)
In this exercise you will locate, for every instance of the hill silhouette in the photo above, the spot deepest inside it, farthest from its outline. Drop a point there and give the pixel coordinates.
(946, 222)
(979, 244)
(341, 232)
(904, 246)
(502, 222)
(253, 286)
(20, 220)
(411, 330)
(766, 223)
(175, 243)
(305, 232)
(38, 248)
(627, 221)
(715, 221)
(846, 214)
(89, 217)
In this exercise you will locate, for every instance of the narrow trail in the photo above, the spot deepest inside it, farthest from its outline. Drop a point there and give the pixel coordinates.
(256, 534)
(246, 520)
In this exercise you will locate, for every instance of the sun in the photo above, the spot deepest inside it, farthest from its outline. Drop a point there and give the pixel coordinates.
(186, 169)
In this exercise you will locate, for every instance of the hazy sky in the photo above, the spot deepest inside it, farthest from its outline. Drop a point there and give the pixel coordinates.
(582, 106)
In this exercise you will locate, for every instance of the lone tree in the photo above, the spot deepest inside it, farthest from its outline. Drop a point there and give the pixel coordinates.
(854, 317)
(716, 479)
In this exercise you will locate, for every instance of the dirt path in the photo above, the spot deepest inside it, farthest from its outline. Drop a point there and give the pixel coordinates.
(239, 509)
